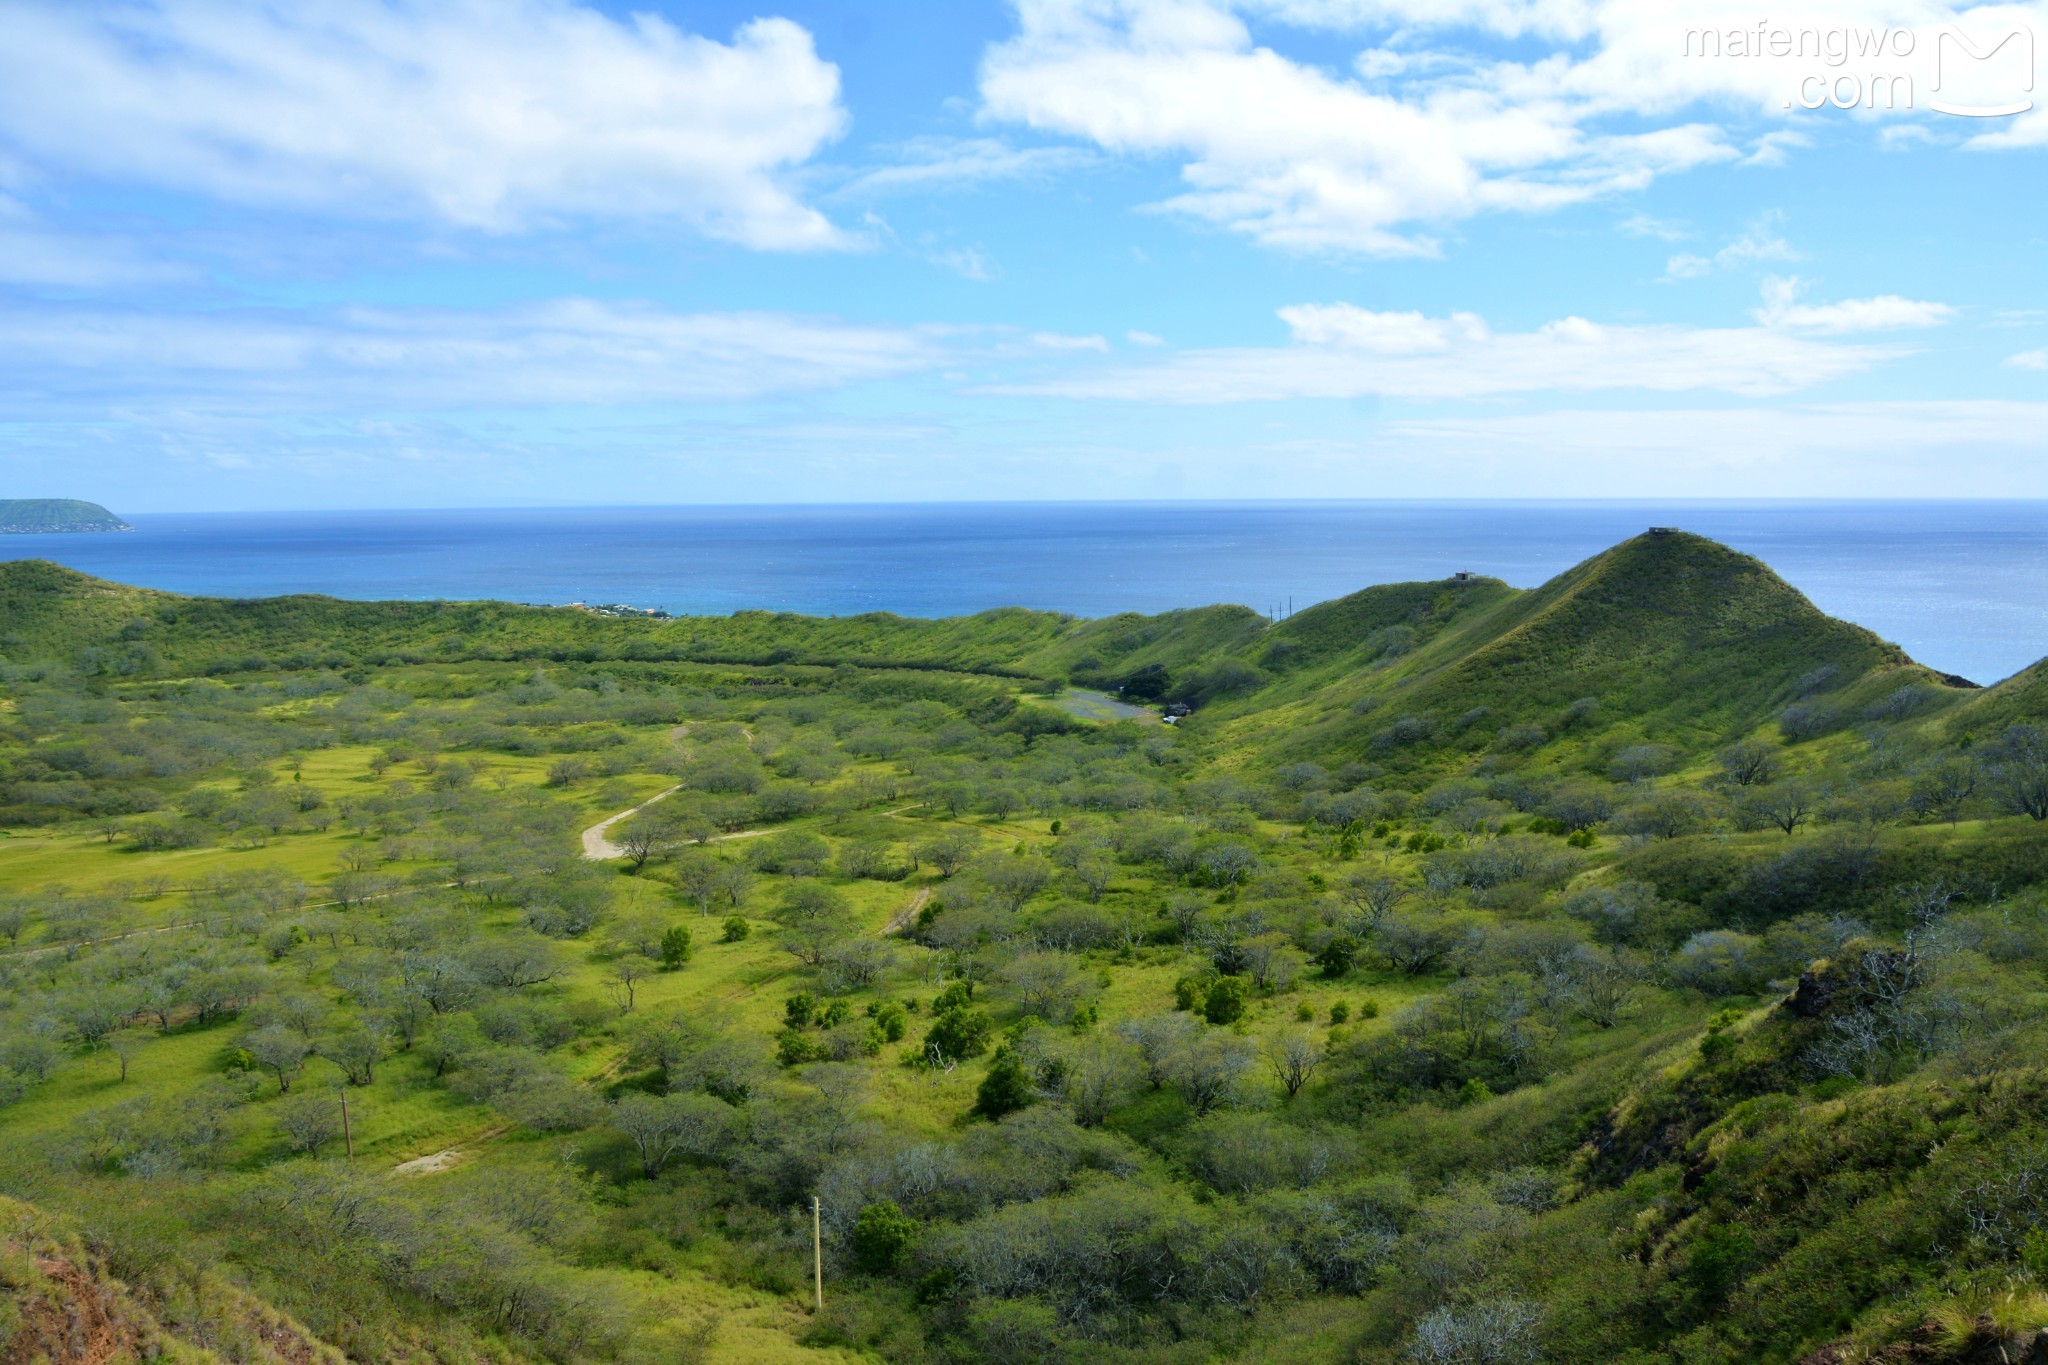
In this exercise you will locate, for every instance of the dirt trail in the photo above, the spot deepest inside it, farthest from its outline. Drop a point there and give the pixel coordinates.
(903, 917)
(597, 846)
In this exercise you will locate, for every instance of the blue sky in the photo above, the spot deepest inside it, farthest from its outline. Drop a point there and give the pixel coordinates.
(363, 253)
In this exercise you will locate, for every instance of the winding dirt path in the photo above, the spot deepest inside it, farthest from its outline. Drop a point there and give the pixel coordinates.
(597, 846)
(903, 917)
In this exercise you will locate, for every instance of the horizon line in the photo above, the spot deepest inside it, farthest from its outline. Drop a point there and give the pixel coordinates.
(878, 503)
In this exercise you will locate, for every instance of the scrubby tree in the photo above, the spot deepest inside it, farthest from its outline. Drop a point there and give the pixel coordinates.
(623, 980)
(1209, 1070)
(1749, 763)
(661, 1127)
(1046, 985)
(1783, 805)
(1640, 762)
(645, 835)
(1371, 897)
(949, 850)
(279, 1050)
(1229, 863)
(1295, 1056)
(1011, 880)
(1158, 1039)
(2019, 771)
(1494, 1331)
(1579, 806)
(126, 1047)
(309, 1122)
(1095, 1077)
(1418, 943)
(1944, 788)
(356, 1050)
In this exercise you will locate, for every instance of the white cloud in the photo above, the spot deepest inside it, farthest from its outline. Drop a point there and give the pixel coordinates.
(2029, 360)
(1420, 131)
(1138, 338)
(949, 163)
(1341, 324)
(1055, 341)
(1901, 136)
(1775, 149)
(569, 351)
(1886, 312)
(1347, 352)
(1758, 245)
(970, 263)
(1643, 225)
(1297, 157)
(491, 114)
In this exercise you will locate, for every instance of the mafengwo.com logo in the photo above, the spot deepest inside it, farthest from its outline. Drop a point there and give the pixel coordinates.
(1981, 71)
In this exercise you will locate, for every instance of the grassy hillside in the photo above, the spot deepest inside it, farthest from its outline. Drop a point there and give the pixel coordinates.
(1640, 968)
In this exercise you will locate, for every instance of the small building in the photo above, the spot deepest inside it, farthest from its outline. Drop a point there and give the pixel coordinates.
(1463, 576)
(1663, 530)
(1179, 709)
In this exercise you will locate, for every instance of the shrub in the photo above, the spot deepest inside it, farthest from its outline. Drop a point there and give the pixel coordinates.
(675, 947)
(892, 1019)
(1490, 1332)
(1336, 956)
(882, 1234)
(793, 1047)
(1007, 1087)
(1225, 1000)
(736, 929)
(958, 1034)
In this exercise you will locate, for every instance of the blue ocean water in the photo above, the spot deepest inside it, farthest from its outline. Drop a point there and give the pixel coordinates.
(1962, 586)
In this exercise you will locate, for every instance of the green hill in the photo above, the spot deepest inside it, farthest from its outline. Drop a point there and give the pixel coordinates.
(1665, 638)
(1669, 639)
(24, 516)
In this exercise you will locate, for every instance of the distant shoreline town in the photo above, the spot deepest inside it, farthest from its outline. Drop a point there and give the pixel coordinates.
(620, 610)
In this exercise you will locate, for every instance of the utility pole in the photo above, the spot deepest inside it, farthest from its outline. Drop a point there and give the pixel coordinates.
(817, 1256)
(348, 1137)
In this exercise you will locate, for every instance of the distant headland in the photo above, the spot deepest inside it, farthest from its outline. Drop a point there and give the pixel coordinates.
(29, 516)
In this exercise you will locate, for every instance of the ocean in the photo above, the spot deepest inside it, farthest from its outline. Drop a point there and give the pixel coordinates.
(1963, 586)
